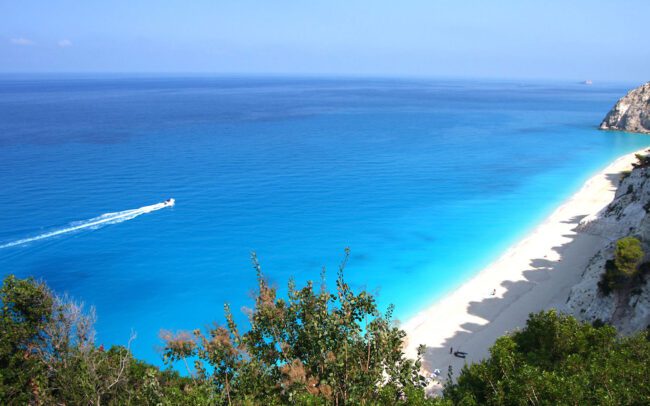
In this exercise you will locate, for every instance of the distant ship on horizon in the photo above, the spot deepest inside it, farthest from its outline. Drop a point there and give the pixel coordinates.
(588, 82)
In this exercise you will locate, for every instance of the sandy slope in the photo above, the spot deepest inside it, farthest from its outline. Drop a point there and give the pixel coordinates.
(535, 274)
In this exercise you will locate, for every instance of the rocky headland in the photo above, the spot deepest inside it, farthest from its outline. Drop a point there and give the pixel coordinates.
(631, 113)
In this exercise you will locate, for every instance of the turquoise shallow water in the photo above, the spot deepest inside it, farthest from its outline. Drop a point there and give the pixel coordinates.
(427, 181)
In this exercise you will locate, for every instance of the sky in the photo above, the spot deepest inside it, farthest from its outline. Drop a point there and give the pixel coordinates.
(551, 39)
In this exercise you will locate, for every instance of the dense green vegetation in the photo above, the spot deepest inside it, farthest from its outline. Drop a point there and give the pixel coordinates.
(315, 347)
(625, 271)
(556, 360)
(48, 357)
(628, 255)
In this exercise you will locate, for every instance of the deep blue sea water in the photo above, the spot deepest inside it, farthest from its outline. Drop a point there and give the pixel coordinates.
(427, 181)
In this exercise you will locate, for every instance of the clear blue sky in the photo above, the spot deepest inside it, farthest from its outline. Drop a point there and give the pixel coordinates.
(565, 39)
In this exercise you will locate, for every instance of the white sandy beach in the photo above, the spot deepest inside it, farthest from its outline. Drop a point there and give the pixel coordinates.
(536, 273)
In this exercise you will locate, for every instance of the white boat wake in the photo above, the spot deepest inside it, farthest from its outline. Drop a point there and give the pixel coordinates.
(95, 222)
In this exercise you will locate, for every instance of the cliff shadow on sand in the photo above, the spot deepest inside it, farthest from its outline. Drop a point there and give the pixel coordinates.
(539, 273)
(547, 283)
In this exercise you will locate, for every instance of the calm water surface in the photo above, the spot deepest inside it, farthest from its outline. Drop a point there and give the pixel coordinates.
(426, 181)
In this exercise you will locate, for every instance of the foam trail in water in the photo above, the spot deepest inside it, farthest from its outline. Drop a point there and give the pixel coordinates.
(94, 223)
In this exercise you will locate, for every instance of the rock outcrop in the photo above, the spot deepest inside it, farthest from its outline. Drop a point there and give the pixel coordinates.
(631, 113)
(628, 215)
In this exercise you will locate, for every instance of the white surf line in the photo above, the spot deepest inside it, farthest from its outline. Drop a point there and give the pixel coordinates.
(94, 223)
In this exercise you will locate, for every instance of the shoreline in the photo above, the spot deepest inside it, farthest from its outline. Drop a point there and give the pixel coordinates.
(534, 274)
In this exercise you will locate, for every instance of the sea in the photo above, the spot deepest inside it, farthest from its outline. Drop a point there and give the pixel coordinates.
(426, 181)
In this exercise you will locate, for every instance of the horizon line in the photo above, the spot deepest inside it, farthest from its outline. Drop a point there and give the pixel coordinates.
(303, 75)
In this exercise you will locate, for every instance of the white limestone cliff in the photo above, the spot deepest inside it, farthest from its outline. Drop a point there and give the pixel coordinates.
(627, 215)
(631, 113)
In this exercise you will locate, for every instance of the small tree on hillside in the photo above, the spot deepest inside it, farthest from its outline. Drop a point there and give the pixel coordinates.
(628, 255)
(556, 360)
(26, 310)
(48, 357)
(314, 347)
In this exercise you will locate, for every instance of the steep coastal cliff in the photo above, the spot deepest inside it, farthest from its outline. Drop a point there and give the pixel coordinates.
(626, 307)
(631, 113)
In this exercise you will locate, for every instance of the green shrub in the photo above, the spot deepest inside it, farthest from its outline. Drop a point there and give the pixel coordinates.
(314, 347)
(48, 357)
(26, 311)
(611, 279)
(628, 255)
(556, 360)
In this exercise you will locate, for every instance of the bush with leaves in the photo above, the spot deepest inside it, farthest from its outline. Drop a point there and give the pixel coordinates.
(558, 360)
(48, 356)
(625, 272)
(628, 255)
(25, 313)
(612, 279)
(314, 347)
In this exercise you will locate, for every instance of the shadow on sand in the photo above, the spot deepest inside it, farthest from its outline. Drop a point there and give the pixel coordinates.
(545, 282)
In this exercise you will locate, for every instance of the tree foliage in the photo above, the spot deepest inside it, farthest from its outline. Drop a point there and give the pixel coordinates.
(557, 360)
(625, 272)
(612, 279)
(628, 255)
(48, 356)
(314, 347)
(26, 311)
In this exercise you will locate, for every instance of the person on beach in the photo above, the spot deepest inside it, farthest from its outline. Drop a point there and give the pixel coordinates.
(451, 350)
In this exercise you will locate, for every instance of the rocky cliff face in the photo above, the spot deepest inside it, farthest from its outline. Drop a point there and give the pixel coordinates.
(628, 215)
(631, 113)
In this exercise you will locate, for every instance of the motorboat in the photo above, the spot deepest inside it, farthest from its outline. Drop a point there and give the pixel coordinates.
(169, 202)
